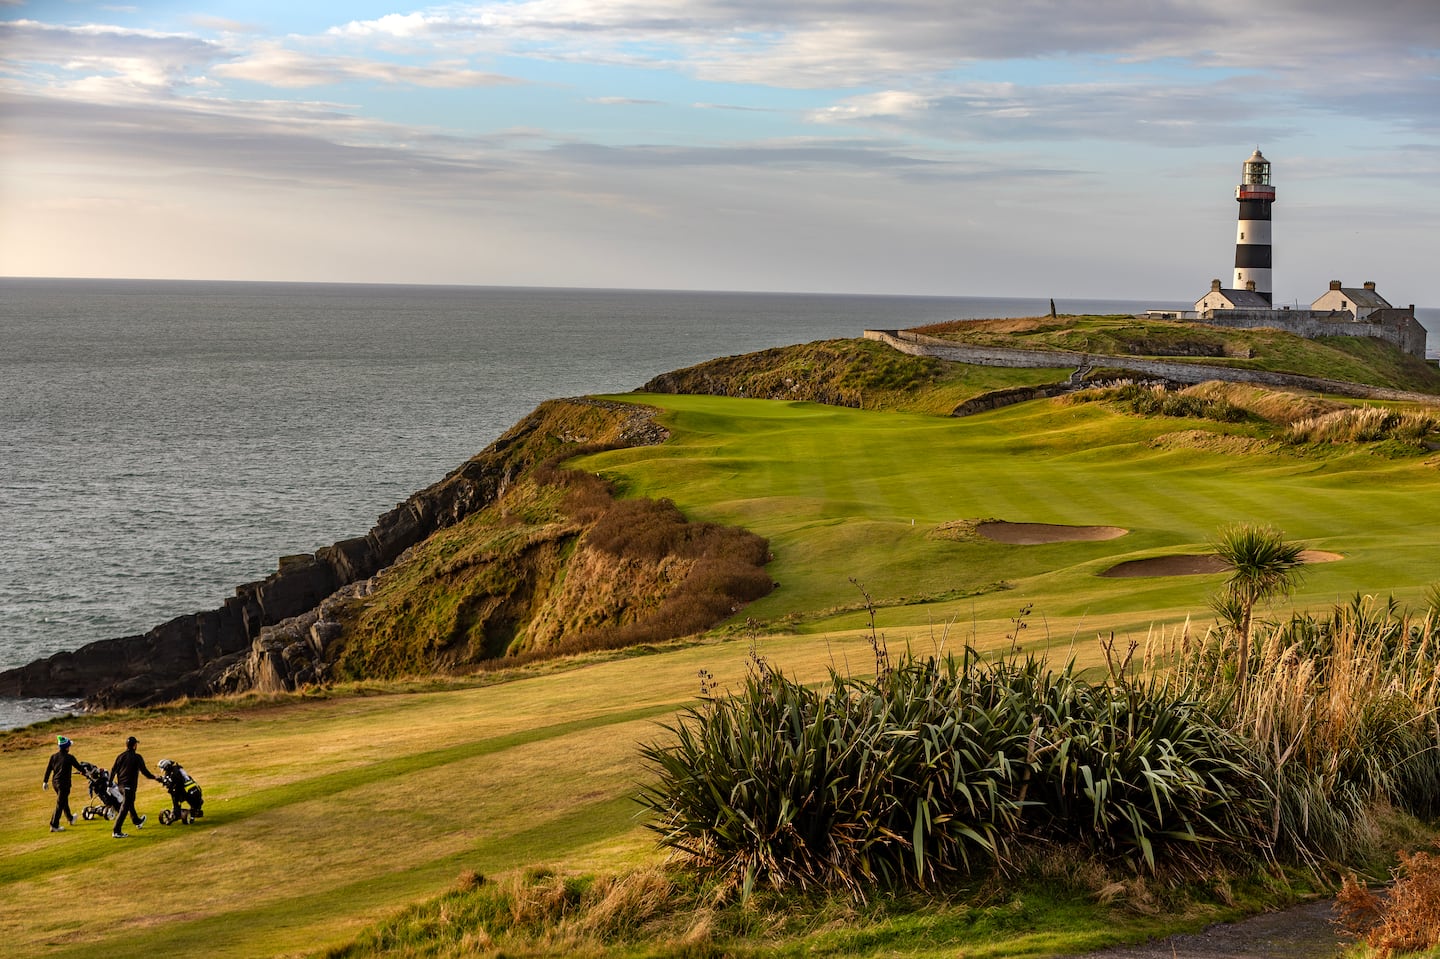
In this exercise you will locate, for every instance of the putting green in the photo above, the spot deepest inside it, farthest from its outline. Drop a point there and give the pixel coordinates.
(845, 493)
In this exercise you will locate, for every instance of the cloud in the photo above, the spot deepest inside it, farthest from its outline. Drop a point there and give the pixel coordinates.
(223, 24)
(845, 157)
(847, 42)
(864, 106)
(276, 66)
(737, 108)
(140, 58)
(1153, 114)
(624, 102)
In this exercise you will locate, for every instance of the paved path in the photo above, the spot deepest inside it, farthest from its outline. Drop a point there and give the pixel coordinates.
(1301, 932)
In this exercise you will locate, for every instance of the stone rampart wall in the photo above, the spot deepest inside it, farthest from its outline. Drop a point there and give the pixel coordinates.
(1402, 330)
(918, 344)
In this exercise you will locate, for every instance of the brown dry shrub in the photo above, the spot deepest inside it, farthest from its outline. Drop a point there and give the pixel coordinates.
(726, 564)
(587, 496)
(1274, 406)
(1406, 920)
(620, 906)
(1359, 908)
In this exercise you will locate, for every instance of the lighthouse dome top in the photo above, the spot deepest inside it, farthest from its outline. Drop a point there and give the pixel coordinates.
(1256, 170)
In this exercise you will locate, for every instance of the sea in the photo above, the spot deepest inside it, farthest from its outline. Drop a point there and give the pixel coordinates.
(162, 442)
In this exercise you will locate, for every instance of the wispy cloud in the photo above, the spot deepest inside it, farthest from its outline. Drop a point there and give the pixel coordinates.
(276, 66)
(141, 58)
(624, 102)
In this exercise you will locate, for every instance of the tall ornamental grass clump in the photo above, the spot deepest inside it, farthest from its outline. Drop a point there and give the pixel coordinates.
(1343, 713)
(1364, 424)
(942, 766)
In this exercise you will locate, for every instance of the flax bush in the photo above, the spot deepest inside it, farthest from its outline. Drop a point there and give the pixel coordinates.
(939, 767)
(1342, 711)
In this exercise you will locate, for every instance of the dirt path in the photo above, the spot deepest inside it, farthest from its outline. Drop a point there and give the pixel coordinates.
(1301, 932)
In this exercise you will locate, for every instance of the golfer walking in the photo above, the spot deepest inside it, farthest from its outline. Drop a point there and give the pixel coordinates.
(58, 772)
(129, 767)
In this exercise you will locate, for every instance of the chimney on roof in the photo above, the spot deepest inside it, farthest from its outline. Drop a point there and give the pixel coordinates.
(1334, 284)
(1250, 285)
(1370, 285)
(1214, 286)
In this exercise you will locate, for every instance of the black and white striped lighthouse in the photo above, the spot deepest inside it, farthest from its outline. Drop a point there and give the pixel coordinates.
(1252, 237)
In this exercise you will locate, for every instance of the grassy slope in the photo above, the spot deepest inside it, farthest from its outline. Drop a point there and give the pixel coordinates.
(846, 493)
(1352, 358)
(863, 374)
(326, 814)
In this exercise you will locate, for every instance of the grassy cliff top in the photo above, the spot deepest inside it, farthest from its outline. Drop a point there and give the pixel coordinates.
(330, 811)
(1354, 359)
(860, 374)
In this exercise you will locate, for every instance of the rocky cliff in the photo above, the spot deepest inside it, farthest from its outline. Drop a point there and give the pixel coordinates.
(198, 653)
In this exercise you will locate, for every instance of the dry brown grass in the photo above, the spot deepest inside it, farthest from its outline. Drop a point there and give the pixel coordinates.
(1273, 406)
(1344, 711)
(1407, 919)
(1363, 425)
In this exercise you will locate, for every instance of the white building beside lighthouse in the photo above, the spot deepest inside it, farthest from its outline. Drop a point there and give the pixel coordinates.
(1249, 303)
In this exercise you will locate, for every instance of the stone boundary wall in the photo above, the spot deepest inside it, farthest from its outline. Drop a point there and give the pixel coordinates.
(1402, 331)
(918, 344)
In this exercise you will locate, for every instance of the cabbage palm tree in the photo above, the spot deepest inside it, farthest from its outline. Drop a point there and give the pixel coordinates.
(1262, 566)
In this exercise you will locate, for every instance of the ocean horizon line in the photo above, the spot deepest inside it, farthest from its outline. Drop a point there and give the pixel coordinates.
(181, 281)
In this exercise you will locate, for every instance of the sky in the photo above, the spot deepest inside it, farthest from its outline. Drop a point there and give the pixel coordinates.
(1050, 148)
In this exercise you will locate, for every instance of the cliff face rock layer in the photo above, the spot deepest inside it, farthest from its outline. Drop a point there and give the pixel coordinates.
(180, 657)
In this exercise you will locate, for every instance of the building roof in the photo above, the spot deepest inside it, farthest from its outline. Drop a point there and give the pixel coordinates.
(1365, 298)
(1241, 299)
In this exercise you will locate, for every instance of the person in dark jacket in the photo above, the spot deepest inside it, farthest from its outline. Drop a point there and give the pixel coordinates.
(58, 771)
(129, 767)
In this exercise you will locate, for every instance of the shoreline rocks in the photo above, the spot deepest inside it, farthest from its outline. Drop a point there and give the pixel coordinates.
(201, 653)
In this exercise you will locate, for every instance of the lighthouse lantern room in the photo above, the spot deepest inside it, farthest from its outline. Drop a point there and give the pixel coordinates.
(1255, 194)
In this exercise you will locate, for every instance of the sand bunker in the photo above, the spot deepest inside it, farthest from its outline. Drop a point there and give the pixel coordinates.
(1195, 564)
(1037, 534)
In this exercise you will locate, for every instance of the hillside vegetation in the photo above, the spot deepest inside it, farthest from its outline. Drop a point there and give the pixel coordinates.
(861, 374)
(494, 811)
(557, 565)
(1354, 359)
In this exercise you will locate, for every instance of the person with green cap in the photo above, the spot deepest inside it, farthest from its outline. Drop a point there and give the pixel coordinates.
(129, 767)
(59, 770)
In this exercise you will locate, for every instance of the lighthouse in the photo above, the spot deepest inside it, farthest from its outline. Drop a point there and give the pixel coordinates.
(1252, 236)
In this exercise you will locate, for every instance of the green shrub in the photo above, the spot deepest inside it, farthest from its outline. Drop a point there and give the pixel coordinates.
(936, 767)
(1341, 711)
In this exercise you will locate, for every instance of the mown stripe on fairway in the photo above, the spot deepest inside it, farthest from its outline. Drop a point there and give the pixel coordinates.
(288, 925)
(39, 862)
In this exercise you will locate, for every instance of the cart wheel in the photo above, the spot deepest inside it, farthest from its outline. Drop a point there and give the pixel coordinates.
(88, 813)
(109, 813)
(166, 817)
